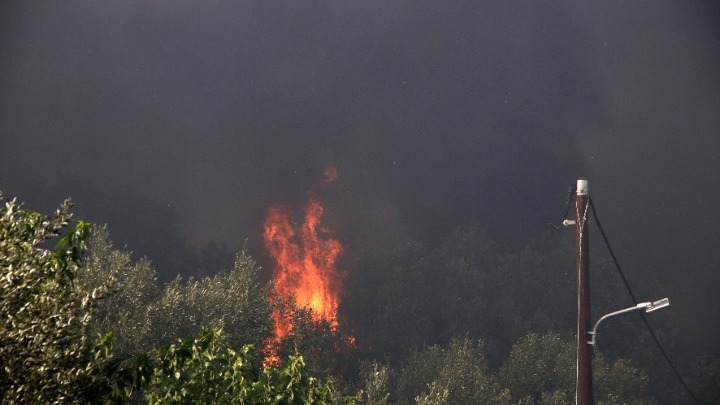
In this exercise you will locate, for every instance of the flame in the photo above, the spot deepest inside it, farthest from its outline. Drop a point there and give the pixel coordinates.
(306, 257)
(331, 174)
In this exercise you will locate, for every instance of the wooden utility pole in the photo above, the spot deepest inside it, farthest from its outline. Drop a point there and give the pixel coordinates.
(584, 389)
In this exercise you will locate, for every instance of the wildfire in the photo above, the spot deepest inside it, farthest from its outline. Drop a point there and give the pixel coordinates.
(305, 257)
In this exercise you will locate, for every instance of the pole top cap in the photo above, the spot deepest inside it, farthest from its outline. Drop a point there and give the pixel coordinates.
(582, 186)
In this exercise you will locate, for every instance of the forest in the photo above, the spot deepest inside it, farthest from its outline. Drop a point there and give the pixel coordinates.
(464, 322)
(200, 142)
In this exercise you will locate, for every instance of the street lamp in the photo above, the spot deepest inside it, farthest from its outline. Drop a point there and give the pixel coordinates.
(647, 306)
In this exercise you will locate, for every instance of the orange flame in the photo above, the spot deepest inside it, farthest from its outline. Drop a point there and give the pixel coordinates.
(305, 259)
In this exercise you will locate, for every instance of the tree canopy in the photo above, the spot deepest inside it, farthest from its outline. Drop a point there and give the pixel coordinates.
(52, 304)
(44, 351)
(463, 323)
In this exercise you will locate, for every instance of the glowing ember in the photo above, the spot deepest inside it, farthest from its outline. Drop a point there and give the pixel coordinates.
(331, 174)
(305, 259)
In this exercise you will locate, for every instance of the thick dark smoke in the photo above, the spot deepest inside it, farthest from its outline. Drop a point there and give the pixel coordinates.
(181, 122)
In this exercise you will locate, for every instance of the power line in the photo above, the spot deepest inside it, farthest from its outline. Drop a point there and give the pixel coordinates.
(566, 211)
(627, 286)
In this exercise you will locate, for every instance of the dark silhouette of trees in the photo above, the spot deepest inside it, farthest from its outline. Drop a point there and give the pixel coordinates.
(464, 322)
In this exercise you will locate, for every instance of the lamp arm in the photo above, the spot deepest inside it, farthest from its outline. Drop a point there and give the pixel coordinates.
(593, 333)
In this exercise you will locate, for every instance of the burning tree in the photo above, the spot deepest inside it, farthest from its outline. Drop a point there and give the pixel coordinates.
(305, 270)
(308, 284)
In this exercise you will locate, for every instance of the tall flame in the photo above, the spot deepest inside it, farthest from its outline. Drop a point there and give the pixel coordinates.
(305, 257)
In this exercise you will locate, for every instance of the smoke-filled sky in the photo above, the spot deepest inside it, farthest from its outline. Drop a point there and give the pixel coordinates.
(191, 118)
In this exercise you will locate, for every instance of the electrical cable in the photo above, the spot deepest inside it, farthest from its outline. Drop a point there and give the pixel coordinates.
(647, 324)
(571, 193)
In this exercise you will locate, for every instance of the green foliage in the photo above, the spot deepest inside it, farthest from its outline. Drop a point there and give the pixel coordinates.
(125, 312)
(141, 315)
(50, 352)
(437, 395)
(47, 354)
(541, 369)
(540, 364)
(619, 383)
(233, 301)
(452, 374)
(44, 314)
(207, 370)
(200, 370)
(376, 379)
(469, 285)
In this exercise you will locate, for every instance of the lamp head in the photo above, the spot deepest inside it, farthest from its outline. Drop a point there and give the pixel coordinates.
(665, 302)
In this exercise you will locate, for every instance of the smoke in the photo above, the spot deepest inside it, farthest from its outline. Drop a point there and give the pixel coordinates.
(433, 113)
(654, 158)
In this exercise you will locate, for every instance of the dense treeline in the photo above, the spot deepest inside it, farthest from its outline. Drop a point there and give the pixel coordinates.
(471, 286)
(462, 323)
(98, 330)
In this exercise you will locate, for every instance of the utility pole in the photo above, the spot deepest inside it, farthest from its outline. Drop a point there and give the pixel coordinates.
(584, 388)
